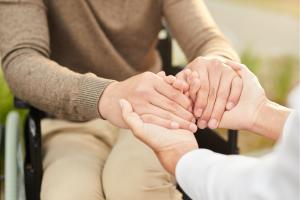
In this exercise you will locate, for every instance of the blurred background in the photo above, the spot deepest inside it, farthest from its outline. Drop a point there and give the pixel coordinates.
(266, 35)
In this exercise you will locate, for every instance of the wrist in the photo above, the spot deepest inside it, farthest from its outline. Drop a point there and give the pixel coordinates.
(171, 158)
(270, 119)
(106, 99)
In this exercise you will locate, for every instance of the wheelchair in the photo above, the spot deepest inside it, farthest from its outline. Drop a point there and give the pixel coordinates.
(24, 170)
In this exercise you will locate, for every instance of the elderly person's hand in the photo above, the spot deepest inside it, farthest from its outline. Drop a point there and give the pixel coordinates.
(215, 87)
(168, 144)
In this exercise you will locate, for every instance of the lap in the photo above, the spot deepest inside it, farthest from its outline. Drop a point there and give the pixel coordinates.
(132, 171)
(74, 156)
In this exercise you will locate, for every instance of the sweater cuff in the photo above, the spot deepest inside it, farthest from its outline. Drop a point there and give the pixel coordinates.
(90, 91)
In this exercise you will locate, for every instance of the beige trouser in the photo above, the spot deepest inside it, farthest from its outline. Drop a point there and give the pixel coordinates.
(95, 161)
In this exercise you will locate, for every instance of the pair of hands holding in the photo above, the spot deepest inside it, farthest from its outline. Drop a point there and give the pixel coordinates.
(170, 145)
(198, 95)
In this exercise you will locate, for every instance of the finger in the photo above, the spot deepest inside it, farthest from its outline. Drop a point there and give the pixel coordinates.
(194, 88)
(130, 117)
(214, 76)
(159, 112)
(241, 69)
(153, 119)
(235, 93)
(203, 92)
(170, 79)
(183, 75)
(177, 83)
(171, 106)
(192, 76)
(161, 74)
(222, 96)
(234, 65)
(172, 94)
(181, 85)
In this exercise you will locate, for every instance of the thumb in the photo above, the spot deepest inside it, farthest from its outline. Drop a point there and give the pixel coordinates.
(130, 117)
(241, 69)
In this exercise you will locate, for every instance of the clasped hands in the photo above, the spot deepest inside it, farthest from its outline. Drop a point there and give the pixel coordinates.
(197, 96)
(162, 110)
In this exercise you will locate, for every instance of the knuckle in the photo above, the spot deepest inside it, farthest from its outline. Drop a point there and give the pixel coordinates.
(147, 75)
(215, 62)
(142, 91)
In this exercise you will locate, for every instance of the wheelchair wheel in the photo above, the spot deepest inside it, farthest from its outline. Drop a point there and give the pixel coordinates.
(13, 173)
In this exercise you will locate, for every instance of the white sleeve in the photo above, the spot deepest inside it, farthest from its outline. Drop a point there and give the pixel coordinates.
(203, 174)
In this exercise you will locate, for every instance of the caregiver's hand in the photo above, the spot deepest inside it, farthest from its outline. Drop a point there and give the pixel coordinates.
(254, 112)
(218, 89)
(152, 98)
(169, 145)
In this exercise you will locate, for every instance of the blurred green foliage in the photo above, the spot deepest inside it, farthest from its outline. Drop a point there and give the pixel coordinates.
(6, 99)
(251, 60)
(278, 75)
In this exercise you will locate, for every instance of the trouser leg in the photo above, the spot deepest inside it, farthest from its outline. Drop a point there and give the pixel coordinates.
(132, 172)
(74, 157)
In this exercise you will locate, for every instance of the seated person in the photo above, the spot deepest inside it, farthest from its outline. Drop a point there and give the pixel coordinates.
(75, 59)
(204, 174)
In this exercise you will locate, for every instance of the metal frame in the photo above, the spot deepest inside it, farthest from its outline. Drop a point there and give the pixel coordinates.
(33, 168)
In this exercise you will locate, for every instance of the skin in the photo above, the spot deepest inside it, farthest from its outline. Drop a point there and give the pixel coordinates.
(214, 88)
(153, 99)
(254, 112)
(156, 101)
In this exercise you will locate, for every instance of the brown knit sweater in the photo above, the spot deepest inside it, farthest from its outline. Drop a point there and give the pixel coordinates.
(59, 55)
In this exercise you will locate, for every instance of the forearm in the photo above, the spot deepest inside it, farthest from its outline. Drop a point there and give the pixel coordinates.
(270, 119)
(53, 88)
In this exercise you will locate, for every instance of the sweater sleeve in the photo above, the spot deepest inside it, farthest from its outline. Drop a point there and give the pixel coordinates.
(32, 76)
(203, 174)
(196, 32)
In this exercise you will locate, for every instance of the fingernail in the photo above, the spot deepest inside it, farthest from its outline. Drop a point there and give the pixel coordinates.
(174, 125)
(198, 112)
(202, 124)
(193, 127)
(213, 124)
(229, 105)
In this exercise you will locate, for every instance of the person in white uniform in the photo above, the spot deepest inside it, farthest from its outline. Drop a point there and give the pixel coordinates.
(203, 174)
